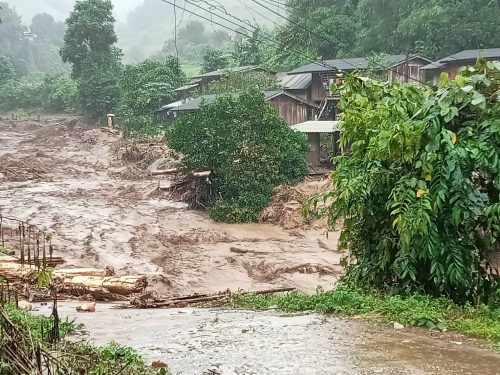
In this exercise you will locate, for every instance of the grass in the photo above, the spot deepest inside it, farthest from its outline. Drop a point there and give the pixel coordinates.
(38, 325)
(3, 250)
(191, 70)
(73, 357)
(424, 311)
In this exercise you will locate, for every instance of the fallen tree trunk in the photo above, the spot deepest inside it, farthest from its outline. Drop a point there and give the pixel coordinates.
(14, 271)
(125, 285)
(68, 273)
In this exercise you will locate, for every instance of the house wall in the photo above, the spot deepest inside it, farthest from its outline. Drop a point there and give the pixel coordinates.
(452, 68)
(317, 88)
(291, 110)
(415, 74)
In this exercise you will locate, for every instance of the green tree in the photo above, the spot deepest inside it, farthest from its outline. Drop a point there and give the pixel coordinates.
(419, 196)
(238, 82)
(148, 85)
(248, 148)
(248, 51)
(89, 46)
(7, 72)
(214, 60)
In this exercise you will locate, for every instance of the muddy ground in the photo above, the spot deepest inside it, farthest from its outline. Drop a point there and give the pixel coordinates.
(64, 178)
(229, 342)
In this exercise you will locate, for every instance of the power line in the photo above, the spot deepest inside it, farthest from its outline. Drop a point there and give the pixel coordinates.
(322, 63)
(327, 40)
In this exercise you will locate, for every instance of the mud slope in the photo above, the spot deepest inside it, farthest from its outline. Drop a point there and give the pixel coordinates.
(64, 178)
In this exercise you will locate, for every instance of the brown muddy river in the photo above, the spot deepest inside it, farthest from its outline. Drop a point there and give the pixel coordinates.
(100, 219)
(66, 180)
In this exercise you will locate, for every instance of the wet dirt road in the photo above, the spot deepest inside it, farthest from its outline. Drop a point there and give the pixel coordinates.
(228, 342)
(66, 180)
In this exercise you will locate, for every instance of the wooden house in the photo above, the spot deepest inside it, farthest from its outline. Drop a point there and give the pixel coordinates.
(452, 64)
(406, 68)
(292, 108)
(199, 85)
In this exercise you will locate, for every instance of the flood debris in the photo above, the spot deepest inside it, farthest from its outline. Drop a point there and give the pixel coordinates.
(152, 301)
(33, 255)
(288, 202)
(86, 307)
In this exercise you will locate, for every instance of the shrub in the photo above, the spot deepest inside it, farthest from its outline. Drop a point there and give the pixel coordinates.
(248, 148)
(419, 197)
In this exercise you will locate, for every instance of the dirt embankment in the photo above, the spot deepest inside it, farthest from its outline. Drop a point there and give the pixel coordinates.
(77, 183)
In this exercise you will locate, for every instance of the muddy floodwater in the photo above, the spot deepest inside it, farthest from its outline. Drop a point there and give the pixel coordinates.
(208, 341)
(66, 180)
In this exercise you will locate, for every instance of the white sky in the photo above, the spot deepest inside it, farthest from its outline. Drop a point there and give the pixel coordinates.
(60, 9)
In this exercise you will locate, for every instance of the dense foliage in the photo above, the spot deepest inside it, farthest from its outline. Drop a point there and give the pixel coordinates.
(248, 148)
(32, 49)
(48, 93)
(148, 85)
(214, 60)
(238, 82)
(89, 46)
(346, 28)
(419, 196)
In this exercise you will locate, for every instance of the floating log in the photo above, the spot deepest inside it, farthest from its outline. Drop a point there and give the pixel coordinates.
(125, 285)
(69, 273)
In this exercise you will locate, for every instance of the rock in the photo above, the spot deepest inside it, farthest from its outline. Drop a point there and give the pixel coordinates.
(86, 307)
(25, 306)
(456, 342)
(158, 364)
(398, 325)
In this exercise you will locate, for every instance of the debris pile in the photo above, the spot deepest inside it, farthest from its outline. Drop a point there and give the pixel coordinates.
(288, 202)
(26, 169)
(137, 155)
(86, 283)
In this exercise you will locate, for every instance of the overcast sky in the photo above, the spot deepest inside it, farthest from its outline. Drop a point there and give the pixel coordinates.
(60, 8)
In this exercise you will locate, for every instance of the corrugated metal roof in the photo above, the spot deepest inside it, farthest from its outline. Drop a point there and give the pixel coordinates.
(317, 127)
(238, 69)
(171, 105)
(473, 54)
(469, 54)
(194, 104)
(356, 63)
(294, 81)
(187, 87)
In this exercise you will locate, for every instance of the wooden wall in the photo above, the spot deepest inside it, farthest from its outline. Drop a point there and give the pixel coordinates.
(291, 110)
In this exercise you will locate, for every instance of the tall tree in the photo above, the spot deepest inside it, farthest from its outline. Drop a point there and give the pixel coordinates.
(214, 60)
(89, 46)
(7, 72)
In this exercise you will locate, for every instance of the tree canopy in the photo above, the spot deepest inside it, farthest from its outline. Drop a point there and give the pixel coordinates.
(89, 46)
(248, 148)
(419, 196)
(346, 28)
